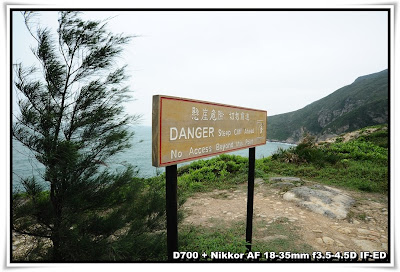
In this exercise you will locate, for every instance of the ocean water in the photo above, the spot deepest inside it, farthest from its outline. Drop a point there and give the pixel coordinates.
(25, 165)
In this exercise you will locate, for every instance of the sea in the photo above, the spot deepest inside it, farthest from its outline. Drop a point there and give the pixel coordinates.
(25, 165)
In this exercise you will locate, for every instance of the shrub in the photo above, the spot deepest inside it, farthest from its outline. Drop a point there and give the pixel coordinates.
(306, 152)
(224, 170)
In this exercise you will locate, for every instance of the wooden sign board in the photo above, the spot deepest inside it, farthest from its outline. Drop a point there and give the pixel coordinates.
(186, 129)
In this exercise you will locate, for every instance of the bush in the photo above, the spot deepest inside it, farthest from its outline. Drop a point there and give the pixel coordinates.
(222, 171)
(306, 152)
(380, 137)
(360, 150)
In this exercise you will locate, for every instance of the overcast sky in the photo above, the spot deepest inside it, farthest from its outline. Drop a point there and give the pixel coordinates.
(278, 61)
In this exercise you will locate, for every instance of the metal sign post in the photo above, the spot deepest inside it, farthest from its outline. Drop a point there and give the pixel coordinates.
(250, 197)
(172, 210)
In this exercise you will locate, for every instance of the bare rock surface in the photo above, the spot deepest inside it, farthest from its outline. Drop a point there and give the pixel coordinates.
(285, 183)
(324, 200)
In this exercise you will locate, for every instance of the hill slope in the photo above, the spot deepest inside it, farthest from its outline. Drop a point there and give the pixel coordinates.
(363, 103)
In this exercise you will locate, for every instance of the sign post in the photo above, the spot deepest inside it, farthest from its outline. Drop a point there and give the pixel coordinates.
(250, 197)
(186, 129)
(172, 210)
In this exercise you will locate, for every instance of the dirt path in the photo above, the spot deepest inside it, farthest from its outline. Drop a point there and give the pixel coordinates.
(364, 229)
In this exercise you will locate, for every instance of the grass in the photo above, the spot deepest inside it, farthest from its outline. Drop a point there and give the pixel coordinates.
(219, 238)
(362, 176)
(279, 236)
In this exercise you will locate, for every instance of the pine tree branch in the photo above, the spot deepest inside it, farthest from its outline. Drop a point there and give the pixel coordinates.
(28, 126)
(27, 17)
(29, 146)
(22, 86)
(32, 234)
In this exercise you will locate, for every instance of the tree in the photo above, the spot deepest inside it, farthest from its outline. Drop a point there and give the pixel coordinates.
(73, 120)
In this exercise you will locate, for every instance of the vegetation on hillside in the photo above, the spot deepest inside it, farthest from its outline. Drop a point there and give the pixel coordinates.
(361, 163)
(360, 104)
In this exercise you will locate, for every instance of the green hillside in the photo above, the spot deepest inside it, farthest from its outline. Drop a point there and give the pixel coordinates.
(363, 103)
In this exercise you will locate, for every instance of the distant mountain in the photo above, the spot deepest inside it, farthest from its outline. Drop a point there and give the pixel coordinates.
(363, 103)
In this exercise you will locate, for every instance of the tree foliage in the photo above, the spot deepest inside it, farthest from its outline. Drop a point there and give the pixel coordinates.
(72, 119)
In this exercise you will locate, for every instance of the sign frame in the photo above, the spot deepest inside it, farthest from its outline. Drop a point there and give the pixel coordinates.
(158, 142)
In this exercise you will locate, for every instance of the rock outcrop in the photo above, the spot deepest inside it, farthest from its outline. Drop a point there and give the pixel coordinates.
(321, 199)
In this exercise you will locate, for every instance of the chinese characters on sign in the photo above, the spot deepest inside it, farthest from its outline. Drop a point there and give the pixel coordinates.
(218, 115)
(185, 129)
